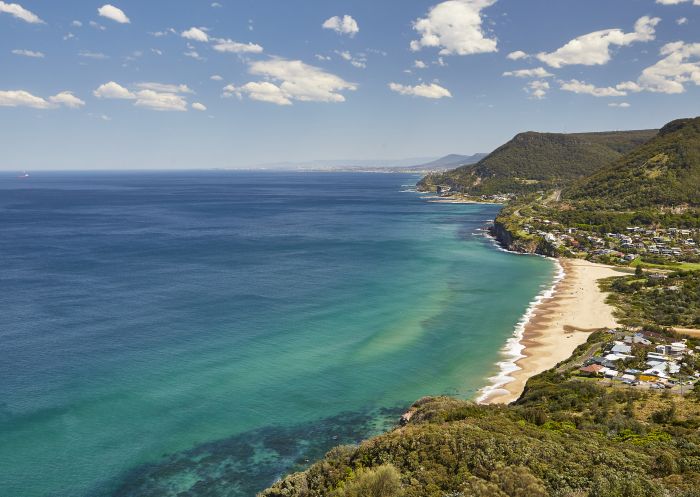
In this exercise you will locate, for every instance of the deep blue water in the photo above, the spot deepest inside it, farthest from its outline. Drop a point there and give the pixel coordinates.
(207, 332)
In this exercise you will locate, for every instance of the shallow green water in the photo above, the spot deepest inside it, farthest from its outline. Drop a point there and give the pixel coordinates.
(207, 332)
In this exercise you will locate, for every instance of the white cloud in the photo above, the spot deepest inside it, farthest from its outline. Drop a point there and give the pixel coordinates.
(154, 96)
(343, 25)
(230, 46)
(287, 81)
(97, 25)
(517, 55)
(113, 90)
(538, 72)
(193, 54)
(77, 24)
(67, 99)
(680, 65)
(166, 88)
(359, 61)
(16, 10)
(199, 106)
(115, 14)
(261, 91)
(216, 77)
(594, 48)
(682, 21)
(196, 34)
(580, 87)
(22, 98)
(621, 105)
(302, 82)
(456, 27)
(424, 90)
(160, 101)
(29, 53)
(537, 89)
(419, 64)
(216, 5)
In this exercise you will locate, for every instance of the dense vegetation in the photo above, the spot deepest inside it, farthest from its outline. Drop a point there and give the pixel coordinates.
(536, 161)
(564, 437)
(658, 300)
(664, 172)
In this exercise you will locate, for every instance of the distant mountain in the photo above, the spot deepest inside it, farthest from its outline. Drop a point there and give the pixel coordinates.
(345, 164)
(450, 162)
(536, 161)
(664, 172)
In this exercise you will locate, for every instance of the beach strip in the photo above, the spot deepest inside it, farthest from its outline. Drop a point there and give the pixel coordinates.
(560, 320)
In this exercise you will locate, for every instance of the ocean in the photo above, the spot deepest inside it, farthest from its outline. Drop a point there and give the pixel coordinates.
(204, 333)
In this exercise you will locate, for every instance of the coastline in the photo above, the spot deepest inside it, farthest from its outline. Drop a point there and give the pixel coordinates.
(560, 319)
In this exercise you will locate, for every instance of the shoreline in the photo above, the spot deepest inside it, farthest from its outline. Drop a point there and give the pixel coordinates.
(559, 319)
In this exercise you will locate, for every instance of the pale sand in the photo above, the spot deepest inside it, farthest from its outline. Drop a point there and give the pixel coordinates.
(560, 324)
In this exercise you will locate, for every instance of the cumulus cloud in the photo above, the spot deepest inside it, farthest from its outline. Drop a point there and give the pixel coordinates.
(620, 105)
(154, 96)
(682, 21)
(455, 26)
(345, 25)
(424, 90)
(113, 90)
(16, 10)
(115, 14)
(260, 91)
(517, 55)
(160, 101)
(199, 106)
(29, 53)
(538, 72)
(67, 99)
(419, 64)
(537, 89)
(581, 87)
(196, 34)
(216, 77)
(286, 81)
(679, 66)
(22, 98)
(230, 46)
(595, 48)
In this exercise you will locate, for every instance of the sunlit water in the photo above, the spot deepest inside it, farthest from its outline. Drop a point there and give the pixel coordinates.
(166, 332)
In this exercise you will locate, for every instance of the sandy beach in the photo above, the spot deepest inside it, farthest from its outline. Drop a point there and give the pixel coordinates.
(558, 325)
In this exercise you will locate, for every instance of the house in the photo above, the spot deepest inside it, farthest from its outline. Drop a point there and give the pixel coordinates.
(621, 348)
(637, 338)
(592, 370)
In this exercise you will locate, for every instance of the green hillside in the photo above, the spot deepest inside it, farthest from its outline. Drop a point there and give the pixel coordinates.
(565, 437)
(536, 161)
(664, 172)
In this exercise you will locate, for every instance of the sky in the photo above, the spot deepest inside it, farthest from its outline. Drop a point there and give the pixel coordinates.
(197, 84)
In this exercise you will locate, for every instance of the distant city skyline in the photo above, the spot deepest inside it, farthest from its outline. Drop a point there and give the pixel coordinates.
(229, 84)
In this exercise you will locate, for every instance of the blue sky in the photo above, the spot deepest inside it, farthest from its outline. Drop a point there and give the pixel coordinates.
(234, 83)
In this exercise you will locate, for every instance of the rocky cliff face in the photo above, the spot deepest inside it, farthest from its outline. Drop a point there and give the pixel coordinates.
(534, 245)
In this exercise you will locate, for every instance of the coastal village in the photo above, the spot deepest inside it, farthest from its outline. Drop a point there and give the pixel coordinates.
(654, 245)
(645, 360)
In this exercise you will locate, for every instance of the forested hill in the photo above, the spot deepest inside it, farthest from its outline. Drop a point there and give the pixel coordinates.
(536, 161)
(664, 172)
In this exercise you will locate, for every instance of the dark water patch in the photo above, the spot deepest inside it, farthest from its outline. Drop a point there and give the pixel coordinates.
(245, 464)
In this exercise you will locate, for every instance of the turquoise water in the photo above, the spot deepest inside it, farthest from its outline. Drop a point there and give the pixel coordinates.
(207, 332)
